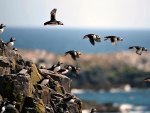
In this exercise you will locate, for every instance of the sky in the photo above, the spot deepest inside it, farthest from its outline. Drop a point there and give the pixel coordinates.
(77, 13)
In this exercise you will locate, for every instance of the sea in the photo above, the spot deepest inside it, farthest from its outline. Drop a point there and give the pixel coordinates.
(59, 40)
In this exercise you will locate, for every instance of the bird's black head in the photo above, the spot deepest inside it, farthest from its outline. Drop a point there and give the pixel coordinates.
(147, 79)
(59, 63)
(60, 23)
(12, 39)
(3, 25)
(144, 49)
(119, 38)
(93, 110)
(15, 49)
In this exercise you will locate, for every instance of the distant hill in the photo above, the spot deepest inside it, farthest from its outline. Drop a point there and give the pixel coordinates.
(100, 71)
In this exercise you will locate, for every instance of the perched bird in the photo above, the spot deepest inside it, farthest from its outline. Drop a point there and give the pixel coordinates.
(92, 38)
(11, 42)
(45, 80)
(113, 39)
(2, 107)
(138, 49)
(93, 110)
(74, 54)
(55, 68)
(11, 104)
(147, 79)
(65, 70)
(2, 28)
(53, 20)
(74, 70)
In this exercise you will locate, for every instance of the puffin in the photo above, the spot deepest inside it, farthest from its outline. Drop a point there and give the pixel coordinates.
(147, 79)
(92, 38)
(11, 42)
(65, 70)
(93, 110)
(2, 28)
(2, 107)
(113, 39)
(74, 70)
(53, 20)
(74, 54)
(138, 49)
(55, 68)
(45, 80)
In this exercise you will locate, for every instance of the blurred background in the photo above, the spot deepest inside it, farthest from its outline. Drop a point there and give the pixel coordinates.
(110, 75)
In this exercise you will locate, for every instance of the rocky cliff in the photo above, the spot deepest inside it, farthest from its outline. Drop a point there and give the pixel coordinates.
(22, 89)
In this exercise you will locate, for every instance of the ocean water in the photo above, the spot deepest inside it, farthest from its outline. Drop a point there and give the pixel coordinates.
(60, 40)
(136, 99)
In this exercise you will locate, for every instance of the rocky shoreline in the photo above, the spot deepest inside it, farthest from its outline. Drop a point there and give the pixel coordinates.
(22, 89)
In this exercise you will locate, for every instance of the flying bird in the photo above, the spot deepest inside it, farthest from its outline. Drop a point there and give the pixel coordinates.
(2, 28)
(113, 39)
(53, 20)
(74, 54)
(92, 38)
(11, 42)
(138, 49)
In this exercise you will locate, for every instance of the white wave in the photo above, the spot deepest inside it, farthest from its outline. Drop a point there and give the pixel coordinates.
(77, 91)
(129, 108)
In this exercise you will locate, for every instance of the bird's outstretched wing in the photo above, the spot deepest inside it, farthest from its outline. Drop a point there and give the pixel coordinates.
(53, 15)
(92, 40)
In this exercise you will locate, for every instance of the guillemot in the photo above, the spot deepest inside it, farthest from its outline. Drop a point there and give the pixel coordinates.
(92, 38)
(2, 28)
(138, 49)
(11, 42)
(53, 20)
(113, 39)
(74, 54)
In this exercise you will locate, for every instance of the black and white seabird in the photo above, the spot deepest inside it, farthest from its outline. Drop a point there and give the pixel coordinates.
(65, 70)
(138, 49)
(92, 38)
(55, 68)
(147, 79)
(45, 80)
(74, 54)
(53, 20)
(93, 110)
(11, 42)
(113, 39)
(74, 70)
(2, 28)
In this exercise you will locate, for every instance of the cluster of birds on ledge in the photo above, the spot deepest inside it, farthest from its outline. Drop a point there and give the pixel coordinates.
(73, 53)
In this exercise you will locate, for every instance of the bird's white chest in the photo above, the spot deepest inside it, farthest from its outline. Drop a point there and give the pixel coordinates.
(1, 30)
(10, 44)
(45, 81)
(72, 100)
(57, 68)
(94, 36)
(65, 71)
